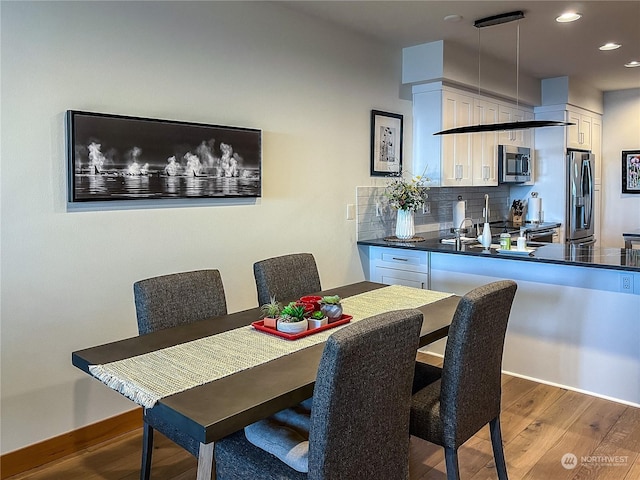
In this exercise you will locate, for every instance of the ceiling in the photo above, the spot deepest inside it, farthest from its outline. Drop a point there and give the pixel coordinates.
(547, 48)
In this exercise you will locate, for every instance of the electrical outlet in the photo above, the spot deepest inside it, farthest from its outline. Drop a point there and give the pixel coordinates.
(626, 283)
(426, 208)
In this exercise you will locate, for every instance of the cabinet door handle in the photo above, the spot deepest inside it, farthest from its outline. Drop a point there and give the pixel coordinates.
(401, 259)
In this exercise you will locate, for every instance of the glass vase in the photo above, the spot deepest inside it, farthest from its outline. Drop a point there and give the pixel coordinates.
(405, 227)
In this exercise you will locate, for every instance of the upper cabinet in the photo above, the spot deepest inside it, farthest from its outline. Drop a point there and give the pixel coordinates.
(485, 145)
(457, 150)
(579, 135)
(469, 159)
(596, 145)
(586, 134)
(517, 138)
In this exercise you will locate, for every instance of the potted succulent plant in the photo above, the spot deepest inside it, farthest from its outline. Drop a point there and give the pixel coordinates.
(292, 319)
(330, 305)
(271, 312)
(317, 319)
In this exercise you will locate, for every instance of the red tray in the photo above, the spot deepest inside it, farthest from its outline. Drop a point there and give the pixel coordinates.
(259, 325)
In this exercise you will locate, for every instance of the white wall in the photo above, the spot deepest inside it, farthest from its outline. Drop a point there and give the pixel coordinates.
(620, 131)
(67, 276)
(569, 325)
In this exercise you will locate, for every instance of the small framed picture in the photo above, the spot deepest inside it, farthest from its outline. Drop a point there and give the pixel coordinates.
(631, 171)
(386, 143)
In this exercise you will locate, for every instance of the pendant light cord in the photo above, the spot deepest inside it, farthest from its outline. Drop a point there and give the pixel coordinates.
(479, 58)
(518, 66)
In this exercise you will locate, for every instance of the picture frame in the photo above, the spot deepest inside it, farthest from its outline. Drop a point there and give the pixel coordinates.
(386, 143)
(631, 171)
(117, 157)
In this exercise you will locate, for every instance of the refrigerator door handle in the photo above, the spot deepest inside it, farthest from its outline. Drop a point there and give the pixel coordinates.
(587, 189)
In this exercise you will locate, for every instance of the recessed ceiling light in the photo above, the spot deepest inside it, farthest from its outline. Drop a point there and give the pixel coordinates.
(568, 17)
(610, 46)
(452, 18)
(632, 64)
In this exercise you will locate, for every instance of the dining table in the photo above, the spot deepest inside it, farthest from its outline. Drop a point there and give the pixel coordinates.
(214, 408)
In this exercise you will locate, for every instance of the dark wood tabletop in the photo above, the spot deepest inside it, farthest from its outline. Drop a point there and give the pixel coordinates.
(219, 408)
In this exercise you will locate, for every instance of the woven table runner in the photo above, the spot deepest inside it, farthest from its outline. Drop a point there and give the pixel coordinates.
(147, 378)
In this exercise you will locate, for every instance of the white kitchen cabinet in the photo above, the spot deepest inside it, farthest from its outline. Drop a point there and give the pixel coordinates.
(596, 146)
(453, 160)
(397, 266)
(444, 159)
(580, 135)
(485, 145)
(517, 138)
(457, 154)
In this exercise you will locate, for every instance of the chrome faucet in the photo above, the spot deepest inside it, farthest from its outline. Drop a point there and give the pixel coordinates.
(464, 220)
(460, 230)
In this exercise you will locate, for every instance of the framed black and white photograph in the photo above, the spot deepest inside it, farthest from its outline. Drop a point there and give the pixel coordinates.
(631, 171)
(117, 157)
(386, 143)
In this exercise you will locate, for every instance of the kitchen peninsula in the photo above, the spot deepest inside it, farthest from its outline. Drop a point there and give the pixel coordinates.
(576, 316)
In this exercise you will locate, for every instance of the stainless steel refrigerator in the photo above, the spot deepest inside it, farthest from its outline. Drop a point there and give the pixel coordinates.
(580, 198)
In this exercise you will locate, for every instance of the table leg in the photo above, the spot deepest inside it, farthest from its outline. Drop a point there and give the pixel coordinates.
(206, 465)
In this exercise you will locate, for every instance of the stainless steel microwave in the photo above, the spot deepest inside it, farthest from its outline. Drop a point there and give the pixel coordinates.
(514, 164)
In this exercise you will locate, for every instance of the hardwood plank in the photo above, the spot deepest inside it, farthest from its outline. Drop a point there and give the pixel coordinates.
(474, 456)
(525, 450)
(581, 438)
(117, 459)
(423, 456)
(58, 447)
(634, 471)
(430, 359)
(549, 422)
(519, 410)
(618, 451)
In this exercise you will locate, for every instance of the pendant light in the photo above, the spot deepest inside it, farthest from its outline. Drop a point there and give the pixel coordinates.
(497, 127)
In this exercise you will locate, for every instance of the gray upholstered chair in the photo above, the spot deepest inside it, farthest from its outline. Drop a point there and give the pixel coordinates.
(169, 301)
(179, 298)
(451, 404)
(359, 421)
(287, 277)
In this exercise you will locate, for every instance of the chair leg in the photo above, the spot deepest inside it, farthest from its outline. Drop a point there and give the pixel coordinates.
(451, 462)
(498, 452)
(147, 450)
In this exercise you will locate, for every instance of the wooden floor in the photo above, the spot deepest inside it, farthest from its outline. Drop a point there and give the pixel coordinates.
(540, 424)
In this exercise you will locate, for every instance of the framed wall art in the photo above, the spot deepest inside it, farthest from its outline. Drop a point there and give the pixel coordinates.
(386, 143)
(631, 171)
(116, 157)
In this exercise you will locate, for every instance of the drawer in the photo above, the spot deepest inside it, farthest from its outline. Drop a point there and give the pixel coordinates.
(391, 276)
(415, 261)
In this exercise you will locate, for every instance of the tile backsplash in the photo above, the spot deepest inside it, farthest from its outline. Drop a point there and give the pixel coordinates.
(376, 219)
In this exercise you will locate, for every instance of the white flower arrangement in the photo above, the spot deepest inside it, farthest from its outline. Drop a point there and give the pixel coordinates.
(407, 194)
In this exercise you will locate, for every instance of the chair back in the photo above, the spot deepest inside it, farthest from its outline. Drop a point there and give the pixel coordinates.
(361, 400)
(471, 372)
(171, 300)
(287, 277)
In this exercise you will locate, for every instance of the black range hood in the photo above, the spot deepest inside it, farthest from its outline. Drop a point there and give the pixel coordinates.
(499, 127)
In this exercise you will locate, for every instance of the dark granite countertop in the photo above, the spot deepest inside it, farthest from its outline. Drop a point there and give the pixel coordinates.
(585, 256)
